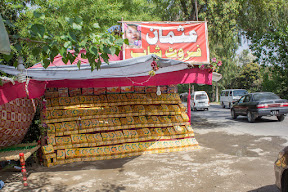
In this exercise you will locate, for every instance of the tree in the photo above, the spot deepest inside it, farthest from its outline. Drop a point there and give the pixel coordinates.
(264, 23)
(39, 30)
(249, 78)
(45, 38)
(273, 77)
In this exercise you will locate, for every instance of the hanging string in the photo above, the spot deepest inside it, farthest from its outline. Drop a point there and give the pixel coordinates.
(134, 82)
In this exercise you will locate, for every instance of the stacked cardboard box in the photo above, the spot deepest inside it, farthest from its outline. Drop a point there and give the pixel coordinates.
(112, 125)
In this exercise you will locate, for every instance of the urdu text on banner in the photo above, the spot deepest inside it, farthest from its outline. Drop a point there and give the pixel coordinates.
(186, 42)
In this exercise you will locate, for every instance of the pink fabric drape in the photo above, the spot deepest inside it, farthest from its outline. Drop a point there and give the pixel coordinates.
(189, 105)
(194, 75)
(10, 92)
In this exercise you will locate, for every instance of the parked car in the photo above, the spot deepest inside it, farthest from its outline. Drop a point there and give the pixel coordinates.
(199, 100)
(256, 105)
(281, 170)
(228, 96)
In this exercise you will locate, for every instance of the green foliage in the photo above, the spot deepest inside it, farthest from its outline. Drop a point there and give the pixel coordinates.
(184, 88)
(249, 78)
(264, 23)
(274, 80)
(42, 29)
(34, 132)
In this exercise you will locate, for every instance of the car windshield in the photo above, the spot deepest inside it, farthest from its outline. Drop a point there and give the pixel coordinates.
(239, 92)
(201, 96)
(265, 96)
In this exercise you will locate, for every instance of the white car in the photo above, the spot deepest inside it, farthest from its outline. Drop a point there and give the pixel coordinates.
(199, 100)
(228, 96)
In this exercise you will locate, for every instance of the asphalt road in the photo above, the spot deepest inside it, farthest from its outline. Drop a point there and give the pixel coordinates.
(217, 117)
(234, 156)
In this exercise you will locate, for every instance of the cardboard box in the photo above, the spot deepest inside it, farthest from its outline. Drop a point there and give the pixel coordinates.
(127, 89)
(113, 90)
(88, 91)
(139, 89)
(100, 90)
(63, 92)
(47, 149)
(172, 89)
(64, 101)
(51, 128)
(51, 140)
(151, 89)
(61, 154)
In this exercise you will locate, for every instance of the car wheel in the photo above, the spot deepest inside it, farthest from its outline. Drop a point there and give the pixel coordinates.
(250, 116)
(222, 104)
(207, 109)
(281, 117)
(284, 182)
(233, 114)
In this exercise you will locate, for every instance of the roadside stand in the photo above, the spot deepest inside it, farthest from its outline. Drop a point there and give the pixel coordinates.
(129, 107)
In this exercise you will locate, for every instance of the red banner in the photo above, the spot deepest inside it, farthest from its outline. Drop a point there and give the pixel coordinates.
(182, 41)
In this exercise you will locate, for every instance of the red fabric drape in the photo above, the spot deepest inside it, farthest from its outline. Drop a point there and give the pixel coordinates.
(9, 92)
(194, 75)
(189, 105)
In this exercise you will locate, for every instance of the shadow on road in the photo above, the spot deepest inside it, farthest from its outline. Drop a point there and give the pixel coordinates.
(267, 188)
(243, 119)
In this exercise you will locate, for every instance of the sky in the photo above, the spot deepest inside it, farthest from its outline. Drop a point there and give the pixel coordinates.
(243, 46)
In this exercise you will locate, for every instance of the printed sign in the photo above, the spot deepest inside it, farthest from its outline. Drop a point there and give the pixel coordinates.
(179, 41)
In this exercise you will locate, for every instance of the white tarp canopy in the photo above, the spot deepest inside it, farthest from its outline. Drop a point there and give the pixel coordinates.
(134, 67)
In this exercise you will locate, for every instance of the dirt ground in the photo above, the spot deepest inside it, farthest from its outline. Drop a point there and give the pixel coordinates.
(225, 162)
(239, 165)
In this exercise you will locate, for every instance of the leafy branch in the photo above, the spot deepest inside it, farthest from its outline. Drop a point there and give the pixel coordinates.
(44, 45)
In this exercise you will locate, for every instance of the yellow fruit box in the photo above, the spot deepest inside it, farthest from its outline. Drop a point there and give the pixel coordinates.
(51, 140)
(61, 154)
(126, 134)
(50, 128)
(59, 127)
(64, 101)
(47, 149)
(189, 128)
(70, 153)
(49, 156)
(70, 126)
(185, 117)
(83, 138)
(54, 102)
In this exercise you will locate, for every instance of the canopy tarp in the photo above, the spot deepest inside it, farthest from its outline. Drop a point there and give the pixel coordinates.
(129, 72)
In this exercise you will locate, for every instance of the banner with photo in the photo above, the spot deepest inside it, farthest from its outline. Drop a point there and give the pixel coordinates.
(184, 41)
